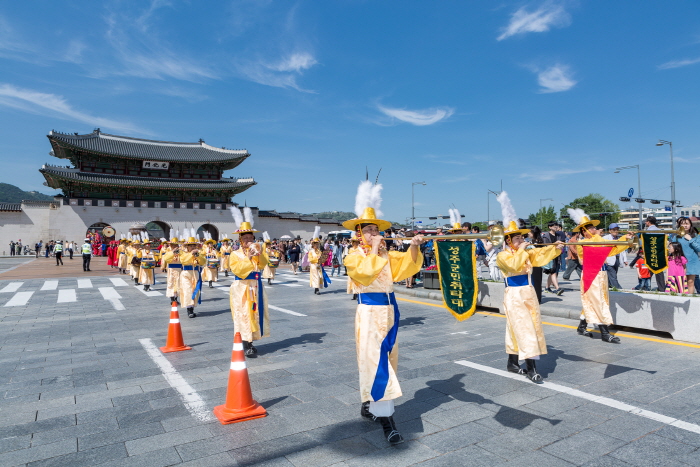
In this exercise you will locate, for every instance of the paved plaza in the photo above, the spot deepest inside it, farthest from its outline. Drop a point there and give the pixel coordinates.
(80, 389)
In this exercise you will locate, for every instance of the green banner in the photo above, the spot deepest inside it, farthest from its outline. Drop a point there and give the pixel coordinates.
(457, 268)
(655, 251)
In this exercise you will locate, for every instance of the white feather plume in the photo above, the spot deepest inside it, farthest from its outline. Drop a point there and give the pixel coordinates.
(121, 236)
(248, 215)
(177, 233)
(317, 232)
(266, 236)
(576, 214)
(507, 210)
(368, 196)
(198, 239)
(237, 216)
(455, 217)
(162, 239)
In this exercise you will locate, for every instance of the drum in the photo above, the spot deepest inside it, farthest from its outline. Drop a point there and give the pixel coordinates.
(212, 263)
(148, 264)
(274, 262)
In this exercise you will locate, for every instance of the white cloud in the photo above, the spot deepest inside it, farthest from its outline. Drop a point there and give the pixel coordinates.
(678, 63)
(546, 175)
(418, 117)
(280, 74)
(556, 78)
(295, 62)
(39, 103)
(550, 14)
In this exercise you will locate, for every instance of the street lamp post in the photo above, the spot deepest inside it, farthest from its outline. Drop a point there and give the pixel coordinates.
(673, 181)
(413, 204)
(488, 203)
(543, 199)
(639, 187)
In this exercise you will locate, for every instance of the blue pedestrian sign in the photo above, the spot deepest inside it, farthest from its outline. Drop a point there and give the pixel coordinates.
(630, 193)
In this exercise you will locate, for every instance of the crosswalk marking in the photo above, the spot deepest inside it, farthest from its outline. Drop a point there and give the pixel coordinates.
(284, 310)
(20, 299)
(84, 284)
(118, 281)
(112, 296)
(50, 285)
(291, 285)
(66, 295)
(150, 293)
(11, 287)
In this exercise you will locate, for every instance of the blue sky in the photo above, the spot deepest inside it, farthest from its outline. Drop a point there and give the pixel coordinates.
(547, 96)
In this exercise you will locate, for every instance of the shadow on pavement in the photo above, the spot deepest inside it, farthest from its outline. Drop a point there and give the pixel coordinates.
(548, 364)
(303, 340)
(413, 321)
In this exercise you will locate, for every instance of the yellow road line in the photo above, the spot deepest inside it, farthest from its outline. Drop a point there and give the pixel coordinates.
(498, 315)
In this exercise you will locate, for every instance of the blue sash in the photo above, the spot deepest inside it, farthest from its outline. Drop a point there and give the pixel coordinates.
(174, 266)
(260, 306)
(326, 279)
(517, 281)
(198, 287)
(381, 378)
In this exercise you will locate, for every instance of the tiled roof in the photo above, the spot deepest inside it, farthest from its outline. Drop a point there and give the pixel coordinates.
(136, 148)
(51, 172)
(295, 215)
(10, 207)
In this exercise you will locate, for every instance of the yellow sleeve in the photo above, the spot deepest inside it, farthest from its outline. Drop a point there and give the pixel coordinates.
(364, 269)
(139, 254)
(402, 267)
(541, 256)
(201, 260)
(618, 249)
(512, 263)
(240, 267)
(313, 256)
(168, 257)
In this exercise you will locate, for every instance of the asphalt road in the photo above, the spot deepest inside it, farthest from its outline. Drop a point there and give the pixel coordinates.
(79, 387)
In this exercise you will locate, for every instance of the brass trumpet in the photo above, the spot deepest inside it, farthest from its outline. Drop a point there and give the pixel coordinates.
(495, 236)
(631, 243)
(680, 231)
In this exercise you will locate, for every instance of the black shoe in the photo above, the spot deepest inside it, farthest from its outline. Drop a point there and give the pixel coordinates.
(559, 291)
(354, 296)
(532, 372)
(269, 281)
(190, 312)
(317, 292)
(605, 335)
(514, 365)
(390, 431)
(364, 411)
(582, 325)
(226, 272)
(248, 346)
(145, 288)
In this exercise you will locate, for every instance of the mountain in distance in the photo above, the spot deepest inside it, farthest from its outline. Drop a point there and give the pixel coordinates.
(337, 215)
(12, 194)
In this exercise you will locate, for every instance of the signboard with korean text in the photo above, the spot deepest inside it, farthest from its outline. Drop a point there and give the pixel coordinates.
(655, 251)
(157, 165)
(456, 266)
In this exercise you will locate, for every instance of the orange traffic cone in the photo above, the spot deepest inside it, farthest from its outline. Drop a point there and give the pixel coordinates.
(174, 343)
(240, 405)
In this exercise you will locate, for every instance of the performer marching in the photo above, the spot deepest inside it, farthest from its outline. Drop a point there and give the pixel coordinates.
(134, 262)
(315, 263)
(272, 259)
(147, 267)
(524, 334)
(190, 287)
(354, 246)
(225, 252)
(247, 296)
(121, 255)
(374, 270)
(173, 269)
(211, 270)
(595, 300)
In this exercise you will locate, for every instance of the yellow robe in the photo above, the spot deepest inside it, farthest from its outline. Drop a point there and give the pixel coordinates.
(225, 252)
(121, 257)
(132, 252)
(211, 274)
(244, 293)
(596, 301)
(173, 266)
(188, 278)
(315, 275)
(377, 274)
(352, 284)
(163, 251)
(524, 334)
(146, 276)
(269, 272)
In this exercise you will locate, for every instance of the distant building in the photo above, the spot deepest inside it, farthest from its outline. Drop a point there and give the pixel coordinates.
(629, 218)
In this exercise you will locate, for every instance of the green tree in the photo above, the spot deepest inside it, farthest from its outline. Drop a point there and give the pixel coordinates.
(596, 206)
(542, 217)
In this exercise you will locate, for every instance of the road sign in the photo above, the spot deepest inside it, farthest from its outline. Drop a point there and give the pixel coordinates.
(668, 208)
(419, 222)
(630, 193)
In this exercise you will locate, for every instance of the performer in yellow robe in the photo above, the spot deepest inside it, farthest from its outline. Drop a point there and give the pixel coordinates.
(352, 285)
(595, 301)
(121, 256)
(374, 271)
(315, 273)
(210, 273)
(225, 252)
(190, 287)
(524, 334)
(147, 267)
(173, 268)
(132, 253)
(247, 296)
(269, 271)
